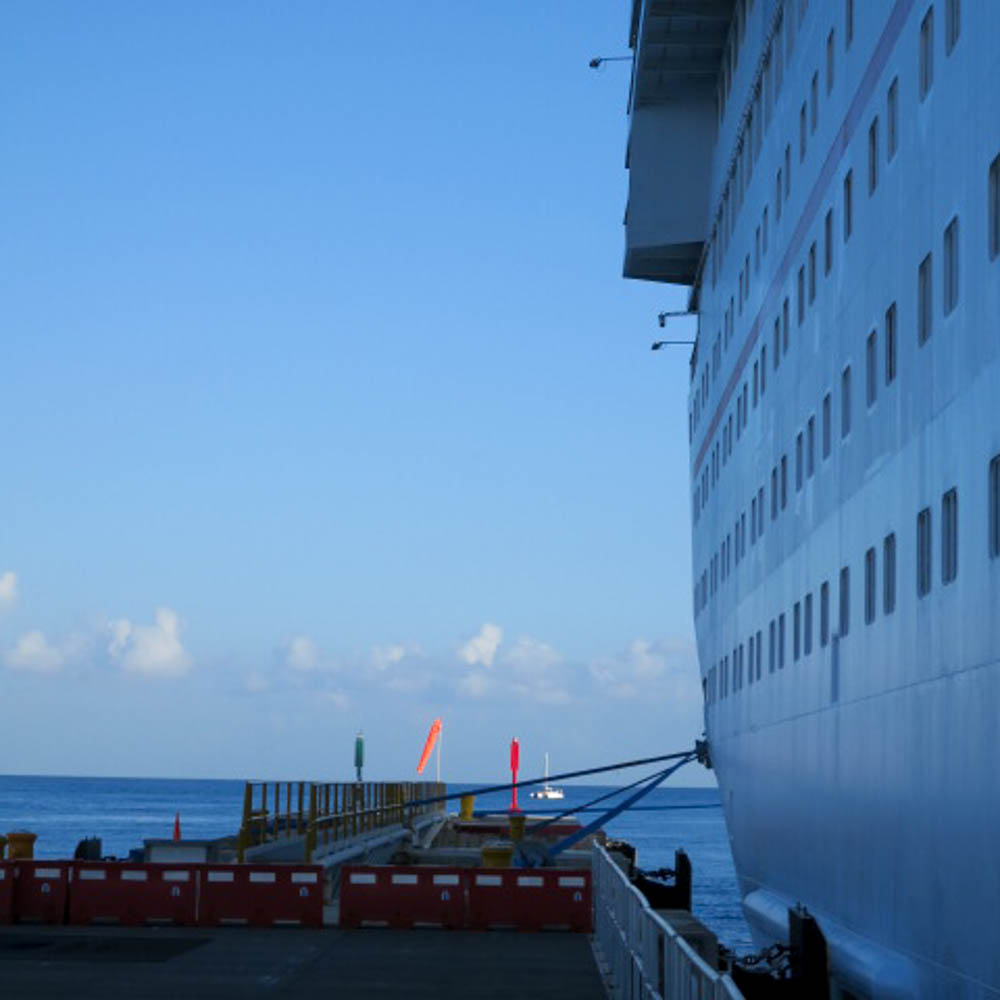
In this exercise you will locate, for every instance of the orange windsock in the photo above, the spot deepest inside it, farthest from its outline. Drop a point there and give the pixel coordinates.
(432, 738)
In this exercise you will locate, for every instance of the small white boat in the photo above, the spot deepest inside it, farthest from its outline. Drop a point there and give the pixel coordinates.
(548, 791)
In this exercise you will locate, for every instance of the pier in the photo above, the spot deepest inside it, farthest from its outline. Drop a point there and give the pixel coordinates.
(369, 889)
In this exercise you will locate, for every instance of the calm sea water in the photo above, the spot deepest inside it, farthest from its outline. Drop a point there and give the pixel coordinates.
(124, 811)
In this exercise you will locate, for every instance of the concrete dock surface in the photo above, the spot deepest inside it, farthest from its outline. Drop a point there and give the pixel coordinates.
(238, 962)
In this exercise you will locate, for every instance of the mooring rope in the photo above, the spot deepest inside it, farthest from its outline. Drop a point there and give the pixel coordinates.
(596, 824)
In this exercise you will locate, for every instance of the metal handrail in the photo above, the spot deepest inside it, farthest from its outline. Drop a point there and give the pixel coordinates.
(327, 811)
(646, 957)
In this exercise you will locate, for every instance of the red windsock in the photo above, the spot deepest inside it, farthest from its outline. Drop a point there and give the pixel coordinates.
(177, 826)
(515, 763)
(432, 738)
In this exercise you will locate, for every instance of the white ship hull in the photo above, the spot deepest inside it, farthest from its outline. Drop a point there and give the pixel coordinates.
(858, 759)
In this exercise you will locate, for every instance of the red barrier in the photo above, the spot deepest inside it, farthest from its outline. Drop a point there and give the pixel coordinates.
(133, 894)
(402, 896)
(529, 899)
(6, 892)
(261, 895)
(41, 889)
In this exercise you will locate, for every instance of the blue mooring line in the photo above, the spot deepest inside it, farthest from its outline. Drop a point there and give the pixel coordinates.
(596, 824)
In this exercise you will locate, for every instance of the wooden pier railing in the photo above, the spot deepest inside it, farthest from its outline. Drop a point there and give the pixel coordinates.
(328, 812)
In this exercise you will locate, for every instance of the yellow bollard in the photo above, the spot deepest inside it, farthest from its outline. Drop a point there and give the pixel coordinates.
(467, 807)
(21, 845)
(497, 855)
(516, 826)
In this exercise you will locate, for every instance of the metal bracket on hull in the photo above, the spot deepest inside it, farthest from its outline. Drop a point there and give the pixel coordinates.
(701, 753)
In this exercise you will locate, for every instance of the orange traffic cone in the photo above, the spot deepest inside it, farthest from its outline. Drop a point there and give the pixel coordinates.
(177, 826)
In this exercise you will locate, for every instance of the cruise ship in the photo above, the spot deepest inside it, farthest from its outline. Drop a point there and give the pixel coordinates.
(824, 176)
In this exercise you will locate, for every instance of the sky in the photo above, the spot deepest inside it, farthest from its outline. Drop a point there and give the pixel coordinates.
(326, 406)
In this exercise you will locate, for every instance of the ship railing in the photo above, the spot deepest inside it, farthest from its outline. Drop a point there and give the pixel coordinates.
(643, 957)
(328, 812)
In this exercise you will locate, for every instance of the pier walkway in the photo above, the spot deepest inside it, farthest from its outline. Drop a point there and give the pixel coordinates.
(97, 962)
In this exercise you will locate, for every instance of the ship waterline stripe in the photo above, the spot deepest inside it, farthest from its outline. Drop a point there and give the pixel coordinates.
(877, 63)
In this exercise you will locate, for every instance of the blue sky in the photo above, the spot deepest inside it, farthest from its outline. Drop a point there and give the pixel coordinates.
(326, 405)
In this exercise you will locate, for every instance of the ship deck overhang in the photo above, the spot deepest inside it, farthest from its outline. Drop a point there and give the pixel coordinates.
(677, 50)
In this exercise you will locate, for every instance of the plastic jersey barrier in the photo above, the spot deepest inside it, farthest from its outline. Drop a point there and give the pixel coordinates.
(402, 896)
(41, 891)
(530, 899)
(469, 898)
(6, 892)
(261, 895)
(133, 894)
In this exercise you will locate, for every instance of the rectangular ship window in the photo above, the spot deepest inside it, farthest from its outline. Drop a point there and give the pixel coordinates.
(845, 601)
(763, 233)
(750, 658)
(802, 132)
(784, 481)
(873, 156)
(801, 295)
(814, 103)
(827, 421)
(829, 62)
(798, 461)
(828, 242)
(812, 274)
(889, 574)
(811, 447)
(807, 627)
(845, 402)
(777, 197)
(951, 266)
(952, 24)
(870, 586)
(772, 650)
(774, 493)
(993, 489)
(797, 631)
(760, 512)
(784, 325)
(824, 613)
(753, 520)
(924, 552)
(949, 536)
(848, 204)
(777, 342)
(781, 641)
(994, 208)
(763, 370)
(927, 52)
(871, 367)
(924, 300)
(890, 344)
(760, 654)
(892, 119)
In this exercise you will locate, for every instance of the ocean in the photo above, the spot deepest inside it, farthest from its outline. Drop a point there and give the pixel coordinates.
(125, 811)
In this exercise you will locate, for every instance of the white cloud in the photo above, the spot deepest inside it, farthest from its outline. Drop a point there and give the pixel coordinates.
(153, 650)
(300, 653)
(34, 652)
(529, 656)
(384, 657)
(8, 588)
(482, 647)
(339, 699)
(476, 684)
(644, 665)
